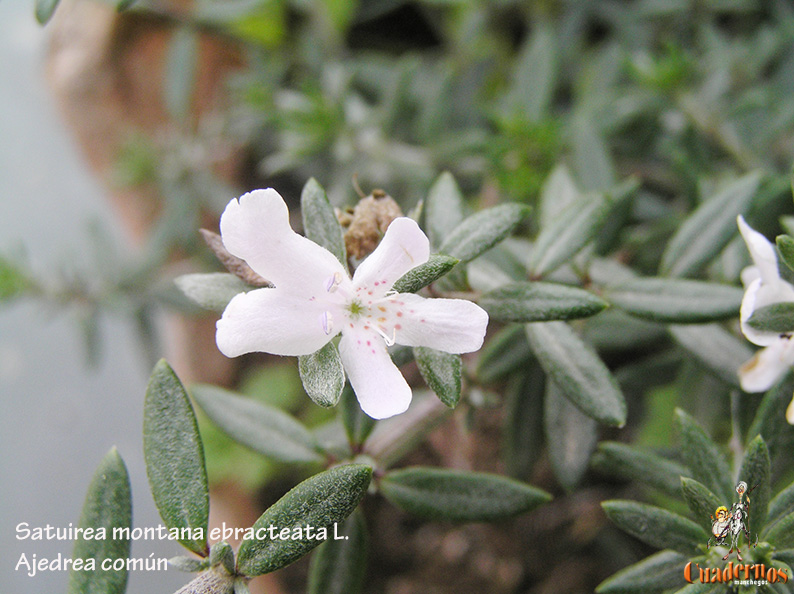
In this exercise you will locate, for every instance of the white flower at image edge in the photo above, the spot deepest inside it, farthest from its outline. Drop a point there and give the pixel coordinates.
(763, 286)
(315, 299)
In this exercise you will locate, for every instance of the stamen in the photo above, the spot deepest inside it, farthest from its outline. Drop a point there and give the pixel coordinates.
(389, 340)
(327, 321)
(333, 282)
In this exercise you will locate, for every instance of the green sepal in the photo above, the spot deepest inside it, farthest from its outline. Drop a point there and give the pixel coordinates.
(318, 502)
(174, 456)
(442, 372)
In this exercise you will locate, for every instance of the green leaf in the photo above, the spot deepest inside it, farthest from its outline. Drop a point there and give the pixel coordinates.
(458, 496)
(108, 505)
(443, 208)
(770, 416)
(540, 302)
(124, 4)
(319, 220)
(174, 457)
(716, 348)
(709, 228)
(578, 370)
(263, 428)
(221, 553)
(507, 350)
(571, 437)
(424, 274)
(661, 571)
(564, 237)
(778, 317)
(558, 193)
(701, 501)
(656, 526)
(213, 290)
(755, 472)
(700, 588)
(782, 504)
(632, 463)
(781, 533)
(13, 281)
(318, 502)
(535, 74)
(483, 230)
(323, 375)
(442, 373)
(785, 249)
(339, 566)
(592, 162)
(522, 427)
(358, 425)
(705, 461)
(180, 72)
(676, 301)
(45, 9)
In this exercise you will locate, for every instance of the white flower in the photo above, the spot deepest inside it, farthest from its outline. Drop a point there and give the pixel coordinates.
(315, 299)
(763, 286)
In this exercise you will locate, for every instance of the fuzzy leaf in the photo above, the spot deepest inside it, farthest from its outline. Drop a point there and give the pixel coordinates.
(45, 9)
(535, 75)
(213, 290)
(265, 429)
(483, 230)
(442, 373)
(632, 463)
(706, 463)
(504, 352)
(564, 237)
(339, 566)
(676, 301)
(558, 193)
(716, 348)
(459, 496)
(319, 220)
(661, 571)
(357, 424)
(785, 249)
(578, 370)
(782, 504)
(522, 427)
(540, 302)
(781, 533)
(443, 209)
(323, 375)
(571, 437)
(174, 457)
(700, 500)
(424, 274)
(709, 228)
(318, 502)
(755, 472)
(656, 526)
(778, 317)
(108, 505)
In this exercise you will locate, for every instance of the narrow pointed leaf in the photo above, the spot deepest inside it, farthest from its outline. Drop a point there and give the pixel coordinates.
(755, 472)
(700, 588)
(782, 504)
(522, 427)
(424, 274)
(656, 526)
(504, 352)
(535, 75)
(558, 193)
(318, 502)
(540, 302)
(781, 533)
(645, 467)
(709, 228)
(319, 220)
(443, 208)
(592, 161)
(701, 501)
(714, 347)
(323, 375)
(571, 437)
(778, 317)
(45, 9)
(108, 505)
(578, 370)
(706, 463)
(563, 238)
(174, 457)
(770, 416)
(442, 373)
(357, 424)
(339, 566)
(676, 301)
(785, 248)
(661, 571)
(459, 496)
(265, 429)
(180, 75)
(213, 290)
(483, 230)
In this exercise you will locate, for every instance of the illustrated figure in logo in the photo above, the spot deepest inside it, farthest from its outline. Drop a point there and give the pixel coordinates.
(731, 524)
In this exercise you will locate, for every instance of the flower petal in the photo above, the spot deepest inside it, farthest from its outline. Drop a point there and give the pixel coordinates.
(761, 250)
(450, 325)
(764, 369)
(404, 246)
(380, 388)
(256, 228)
(274, 321)
(790, 412)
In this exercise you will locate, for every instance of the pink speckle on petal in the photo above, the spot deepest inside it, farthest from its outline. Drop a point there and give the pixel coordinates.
(376, 283)
(397, 327)
(369, 343)
(373, 351)
(399, 314)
